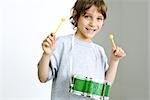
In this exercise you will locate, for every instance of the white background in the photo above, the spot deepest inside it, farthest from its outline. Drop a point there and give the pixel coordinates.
(24, 25)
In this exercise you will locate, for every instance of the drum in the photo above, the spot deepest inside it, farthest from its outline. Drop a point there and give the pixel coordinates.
(86, 87)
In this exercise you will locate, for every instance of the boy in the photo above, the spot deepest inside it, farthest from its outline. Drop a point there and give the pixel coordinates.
(77, 54)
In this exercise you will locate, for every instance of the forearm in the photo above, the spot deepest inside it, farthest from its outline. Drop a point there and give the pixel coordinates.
(43, 67)
(112, 70)
(116, 55)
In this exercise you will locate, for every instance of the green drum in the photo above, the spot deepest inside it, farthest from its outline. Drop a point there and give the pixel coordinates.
(84, 86)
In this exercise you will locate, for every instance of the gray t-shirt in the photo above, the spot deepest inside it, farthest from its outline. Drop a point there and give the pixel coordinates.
(85, 59)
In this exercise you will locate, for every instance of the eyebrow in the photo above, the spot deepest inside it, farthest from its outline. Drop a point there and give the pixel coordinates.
(91, 14)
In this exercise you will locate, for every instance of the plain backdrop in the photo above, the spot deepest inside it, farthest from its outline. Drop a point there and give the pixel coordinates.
(25, 23)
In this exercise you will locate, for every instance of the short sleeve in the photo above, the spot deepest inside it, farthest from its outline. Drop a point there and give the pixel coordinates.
(104, 59)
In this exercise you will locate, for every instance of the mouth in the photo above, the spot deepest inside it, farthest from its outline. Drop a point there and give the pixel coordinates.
(89, 29)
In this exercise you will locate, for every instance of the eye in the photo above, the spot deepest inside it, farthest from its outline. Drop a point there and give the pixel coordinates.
(100, 18)
(86, 16)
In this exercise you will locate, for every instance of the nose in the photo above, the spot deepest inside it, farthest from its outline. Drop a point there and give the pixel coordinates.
(92, 23)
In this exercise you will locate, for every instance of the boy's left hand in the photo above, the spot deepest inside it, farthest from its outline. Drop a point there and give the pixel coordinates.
(117, 53)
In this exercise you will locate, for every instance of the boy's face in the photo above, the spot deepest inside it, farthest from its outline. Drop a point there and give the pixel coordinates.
(89, 24)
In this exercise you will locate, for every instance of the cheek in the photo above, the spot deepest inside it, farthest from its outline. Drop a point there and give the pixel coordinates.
(101, 25)
(82, 24)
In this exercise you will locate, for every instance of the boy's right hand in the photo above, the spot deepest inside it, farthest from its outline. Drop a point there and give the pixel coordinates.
(49, 44)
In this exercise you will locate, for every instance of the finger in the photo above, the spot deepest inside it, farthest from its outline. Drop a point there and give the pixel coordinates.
(52, 40)
(49, 41)
(52, 34)
(50, 37)
(115, 50)
(121, 52)
(46, 44)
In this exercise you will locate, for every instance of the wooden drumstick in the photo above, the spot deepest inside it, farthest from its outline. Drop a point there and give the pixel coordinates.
(111, 37)
(59, 25)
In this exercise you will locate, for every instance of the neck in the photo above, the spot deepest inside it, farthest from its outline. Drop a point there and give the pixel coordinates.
(81, 37)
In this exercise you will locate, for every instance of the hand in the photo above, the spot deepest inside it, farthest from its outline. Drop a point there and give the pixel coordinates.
(49, 44)
(117, 53)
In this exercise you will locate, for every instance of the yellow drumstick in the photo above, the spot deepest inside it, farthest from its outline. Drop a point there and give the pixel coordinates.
(112, 40)
(61, 22)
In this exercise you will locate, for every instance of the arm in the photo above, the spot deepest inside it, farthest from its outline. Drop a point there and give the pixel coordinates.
(48, 46)
(116, 55)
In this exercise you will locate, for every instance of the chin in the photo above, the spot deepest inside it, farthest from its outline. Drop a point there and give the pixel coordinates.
(91, 36)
